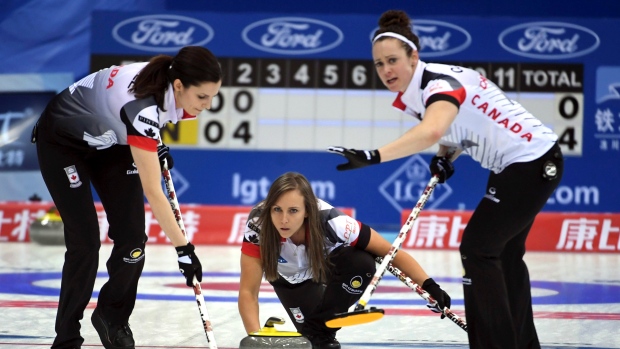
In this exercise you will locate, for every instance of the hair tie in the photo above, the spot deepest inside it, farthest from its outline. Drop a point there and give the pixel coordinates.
(397, 36)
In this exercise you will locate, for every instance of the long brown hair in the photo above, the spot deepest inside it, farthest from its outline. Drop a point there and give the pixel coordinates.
(398, 22)
(270, 238)
(193, 65)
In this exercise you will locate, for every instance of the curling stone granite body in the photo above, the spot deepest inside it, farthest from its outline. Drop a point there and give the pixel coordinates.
(48, 230)
(262, 342)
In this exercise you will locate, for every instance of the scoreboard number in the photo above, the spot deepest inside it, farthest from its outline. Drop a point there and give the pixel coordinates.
(359, 75)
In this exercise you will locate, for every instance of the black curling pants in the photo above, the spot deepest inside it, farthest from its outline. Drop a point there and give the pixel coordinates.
(496, 282)
(310, 304)
(113, 175)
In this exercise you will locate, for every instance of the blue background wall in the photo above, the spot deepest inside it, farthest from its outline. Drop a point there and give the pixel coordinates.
(46, 36)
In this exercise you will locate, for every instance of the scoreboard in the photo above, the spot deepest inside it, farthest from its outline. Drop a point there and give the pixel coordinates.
(309, 104)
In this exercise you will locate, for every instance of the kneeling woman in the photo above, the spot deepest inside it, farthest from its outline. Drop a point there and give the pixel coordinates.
(318, 260)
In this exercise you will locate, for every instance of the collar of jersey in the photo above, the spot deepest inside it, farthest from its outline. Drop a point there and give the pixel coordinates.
(172, 114)
(411, 96)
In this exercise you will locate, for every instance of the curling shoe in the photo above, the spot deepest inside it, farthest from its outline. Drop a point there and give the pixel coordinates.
(327, 341)
(112, 336)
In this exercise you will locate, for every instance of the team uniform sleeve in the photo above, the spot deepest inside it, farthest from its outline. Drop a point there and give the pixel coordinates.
(142, 121)
(251, 238)
(346, 230)
(364, 236)
(444, 88)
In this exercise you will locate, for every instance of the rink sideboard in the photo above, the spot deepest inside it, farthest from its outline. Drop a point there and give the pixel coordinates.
(432, 230)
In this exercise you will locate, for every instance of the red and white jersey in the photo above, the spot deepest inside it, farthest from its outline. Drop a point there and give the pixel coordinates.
(493, 129)
(103, 112)
(339, 230)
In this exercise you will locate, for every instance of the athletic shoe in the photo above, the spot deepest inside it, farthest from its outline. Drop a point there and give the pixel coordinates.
(112, 336)
(327, 341)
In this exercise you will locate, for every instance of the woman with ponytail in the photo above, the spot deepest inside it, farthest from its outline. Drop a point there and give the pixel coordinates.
(104, 131)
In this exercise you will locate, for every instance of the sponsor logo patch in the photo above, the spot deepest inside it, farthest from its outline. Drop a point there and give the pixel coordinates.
(135, 256)
(147, 121)
(297, 314)
(354, 285)
(73, 176)
(491, 195)
(133, 171)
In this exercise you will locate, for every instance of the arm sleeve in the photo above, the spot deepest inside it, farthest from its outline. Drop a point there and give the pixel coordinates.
(448, 97)
(251, 238)
(442, 87)
(363, 238)
(141, 120)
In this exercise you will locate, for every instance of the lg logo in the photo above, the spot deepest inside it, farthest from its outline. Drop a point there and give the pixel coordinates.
(405, 186)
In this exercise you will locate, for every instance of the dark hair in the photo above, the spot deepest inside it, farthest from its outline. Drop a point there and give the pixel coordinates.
(193, 65)
(270, 240)
(398, 22)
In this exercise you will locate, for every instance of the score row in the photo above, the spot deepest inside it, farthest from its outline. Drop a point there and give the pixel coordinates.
(361, 74)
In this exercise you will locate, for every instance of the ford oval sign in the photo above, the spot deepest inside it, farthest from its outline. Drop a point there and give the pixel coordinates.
(292, 35)
(162, 33)
(549, 40)
(438, 38)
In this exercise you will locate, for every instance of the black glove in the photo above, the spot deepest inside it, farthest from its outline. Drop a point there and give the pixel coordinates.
(163, 152)
(442, 166)
(189, 265)
(439, 295)
(357, 158)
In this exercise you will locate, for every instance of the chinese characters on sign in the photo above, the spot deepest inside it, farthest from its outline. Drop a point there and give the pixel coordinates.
(572, 232)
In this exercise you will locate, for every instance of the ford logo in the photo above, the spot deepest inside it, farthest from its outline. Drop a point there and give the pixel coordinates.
(549, 40)
(162, 33)
(292, 35)
(438, 38)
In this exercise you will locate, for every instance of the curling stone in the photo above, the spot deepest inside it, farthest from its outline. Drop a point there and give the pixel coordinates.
(270, 337)
(49, 229)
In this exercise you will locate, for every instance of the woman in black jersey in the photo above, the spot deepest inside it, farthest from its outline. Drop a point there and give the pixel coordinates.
(318, 260)
(464, 112)
(104, 131)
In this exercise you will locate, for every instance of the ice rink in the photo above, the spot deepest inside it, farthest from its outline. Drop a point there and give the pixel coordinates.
(576, 301)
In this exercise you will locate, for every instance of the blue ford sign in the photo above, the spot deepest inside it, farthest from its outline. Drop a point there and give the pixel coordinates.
(438, 38)
(162, 33)
(549, 40)
(292, 35)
